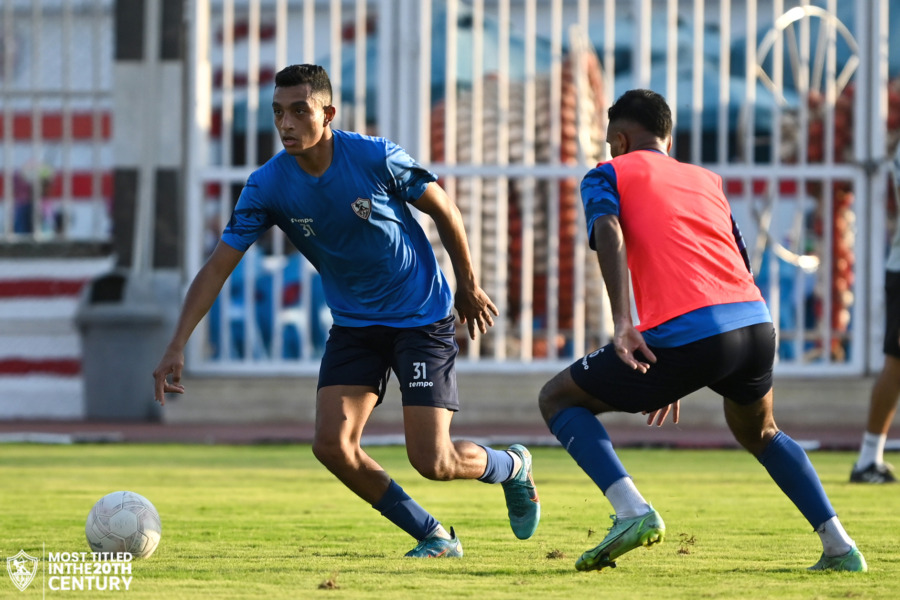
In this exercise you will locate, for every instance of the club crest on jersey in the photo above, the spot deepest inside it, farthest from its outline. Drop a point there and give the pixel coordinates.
(362, 207)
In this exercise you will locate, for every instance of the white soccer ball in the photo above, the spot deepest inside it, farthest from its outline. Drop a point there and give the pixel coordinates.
(123, 522)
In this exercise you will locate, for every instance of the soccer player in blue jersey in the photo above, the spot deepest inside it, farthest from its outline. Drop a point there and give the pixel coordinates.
(343, 199)
(703, 323)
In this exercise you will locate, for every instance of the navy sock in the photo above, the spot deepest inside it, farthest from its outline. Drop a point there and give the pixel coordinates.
(585, 438)
(405, 513)
(790, 468)
(499, 466)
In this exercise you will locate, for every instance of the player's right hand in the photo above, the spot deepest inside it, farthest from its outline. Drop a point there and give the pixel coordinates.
(476, 310)
(627, 340)
(172, 363)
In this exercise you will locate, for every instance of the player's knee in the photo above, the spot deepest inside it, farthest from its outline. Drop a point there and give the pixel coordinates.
(755, 439)
(432, 467)
(435, 472)
(752, 425)
(329, 452)
(766, 436)
(321, 451)
(548, 401)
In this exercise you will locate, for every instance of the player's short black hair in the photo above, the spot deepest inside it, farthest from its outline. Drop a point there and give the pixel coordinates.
(646, 108)
(313, 75)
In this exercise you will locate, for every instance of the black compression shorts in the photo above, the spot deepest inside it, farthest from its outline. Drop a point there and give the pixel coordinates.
(736, 364)
(892, 313)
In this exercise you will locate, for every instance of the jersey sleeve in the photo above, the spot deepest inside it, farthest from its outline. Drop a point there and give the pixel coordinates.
(408, 179)
(600, 196)
(249, 220)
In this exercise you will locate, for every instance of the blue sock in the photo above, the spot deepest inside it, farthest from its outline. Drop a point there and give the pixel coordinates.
(405, 513)
(499, 466)
(790, 468)
(585, 438)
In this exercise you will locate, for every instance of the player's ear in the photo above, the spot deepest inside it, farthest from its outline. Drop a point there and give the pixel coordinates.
(624, 142)
(330, 112)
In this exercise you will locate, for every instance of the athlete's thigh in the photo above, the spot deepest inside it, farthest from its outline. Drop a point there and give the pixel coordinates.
(342, 412)
(356, 356)
(424, 359)
(675, 374)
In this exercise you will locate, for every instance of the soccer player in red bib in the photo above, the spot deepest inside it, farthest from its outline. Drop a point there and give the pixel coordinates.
(703, 323)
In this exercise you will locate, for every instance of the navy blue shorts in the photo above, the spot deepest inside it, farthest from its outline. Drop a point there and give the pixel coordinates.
(424, 359)
(892, 313)
(736, 364)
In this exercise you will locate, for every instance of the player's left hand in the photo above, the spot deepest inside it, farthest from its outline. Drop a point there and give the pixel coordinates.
(661, 414)
(475, 309)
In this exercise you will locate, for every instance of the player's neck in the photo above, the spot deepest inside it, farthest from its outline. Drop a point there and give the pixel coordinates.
(641, 139)
(653, 144)
(316, 160)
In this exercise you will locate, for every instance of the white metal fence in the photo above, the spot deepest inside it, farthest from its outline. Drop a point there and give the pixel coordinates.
(55, 101)
(505, 100)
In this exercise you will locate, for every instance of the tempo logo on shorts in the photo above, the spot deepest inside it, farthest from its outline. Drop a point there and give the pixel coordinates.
(584, 361)
(22, 568)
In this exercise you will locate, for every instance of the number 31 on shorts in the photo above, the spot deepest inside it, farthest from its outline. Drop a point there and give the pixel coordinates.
(419, 370)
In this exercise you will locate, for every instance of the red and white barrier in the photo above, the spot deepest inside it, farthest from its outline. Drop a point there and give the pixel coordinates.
(40, 349)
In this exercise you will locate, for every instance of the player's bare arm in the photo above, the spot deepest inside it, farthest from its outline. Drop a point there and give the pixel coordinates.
(199, 299)
(610, 245)
(474, 306)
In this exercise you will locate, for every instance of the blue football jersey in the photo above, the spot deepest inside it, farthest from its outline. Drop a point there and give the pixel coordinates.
(355, 226)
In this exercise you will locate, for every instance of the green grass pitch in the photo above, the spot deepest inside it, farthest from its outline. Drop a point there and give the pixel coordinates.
(269, 522)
